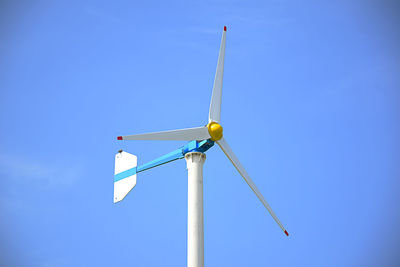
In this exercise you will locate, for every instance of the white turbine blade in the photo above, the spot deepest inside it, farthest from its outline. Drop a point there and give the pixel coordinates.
(215, 105)
(232, 157)
(189, 134)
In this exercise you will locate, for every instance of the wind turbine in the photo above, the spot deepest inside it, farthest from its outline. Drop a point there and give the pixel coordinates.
(201, 139)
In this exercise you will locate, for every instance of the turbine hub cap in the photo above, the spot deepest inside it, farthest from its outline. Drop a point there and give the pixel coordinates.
(215, 130)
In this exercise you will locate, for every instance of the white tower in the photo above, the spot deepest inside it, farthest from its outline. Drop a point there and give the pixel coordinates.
(195, 241)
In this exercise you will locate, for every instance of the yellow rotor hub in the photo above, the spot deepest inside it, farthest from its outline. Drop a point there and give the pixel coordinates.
(215, 131)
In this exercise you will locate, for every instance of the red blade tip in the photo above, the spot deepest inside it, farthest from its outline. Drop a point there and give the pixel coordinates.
(286, 233)
(225, 28)
(119, 138)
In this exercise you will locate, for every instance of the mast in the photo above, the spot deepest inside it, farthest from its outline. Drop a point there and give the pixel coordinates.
(195, 237)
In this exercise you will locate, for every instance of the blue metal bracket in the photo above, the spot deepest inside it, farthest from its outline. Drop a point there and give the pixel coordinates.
(192, 146)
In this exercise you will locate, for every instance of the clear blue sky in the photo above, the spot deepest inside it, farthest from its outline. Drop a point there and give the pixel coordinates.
(310, 106)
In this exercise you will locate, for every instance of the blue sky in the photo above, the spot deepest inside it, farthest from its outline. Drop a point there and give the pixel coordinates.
(310, 106)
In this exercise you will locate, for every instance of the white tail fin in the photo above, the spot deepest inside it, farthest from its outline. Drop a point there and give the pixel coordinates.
(124, 175)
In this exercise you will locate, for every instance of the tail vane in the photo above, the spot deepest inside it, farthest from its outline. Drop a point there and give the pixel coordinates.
(124, 175)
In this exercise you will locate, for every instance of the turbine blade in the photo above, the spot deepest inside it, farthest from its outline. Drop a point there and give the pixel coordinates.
(189, 134)
(235, 161)
(215, 105)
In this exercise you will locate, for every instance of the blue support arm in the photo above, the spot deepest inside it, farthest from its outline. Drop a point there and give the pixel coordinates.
(192, 146)
(174, 155)
(199, 146)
